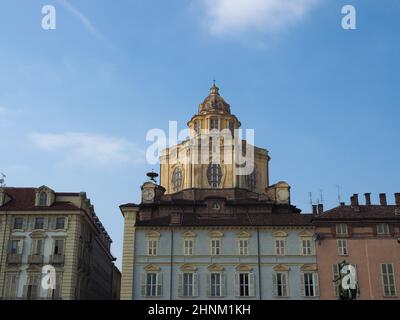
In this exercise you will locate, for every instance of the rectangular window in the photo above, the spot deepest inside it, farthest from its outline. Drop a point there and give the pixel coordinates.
(281, 285)
(389, 286)
(188, 247)
(336, 279)
(188, 284)
(31, 290)
(216, 284)
(306, 247)
(18, 223)
(37, 247)
(310, 284)
(341, 229)
(152, 247)
(151, 284)
(231, 127)
(197, 126)
(244, 284)
(60, 223)
(382, 229)
(215, 247)
(11, 285)
(214, 123)
(342, 247)
(16, 247)
(39, 223)
(58, 247)
(280, 247)
(243, 247)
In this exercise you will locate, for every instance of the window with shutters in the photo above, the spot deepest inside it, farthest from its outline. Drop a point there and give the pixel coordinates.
(39, 223)
(188, 284)
(280, 283)
(382, 229)
(16, 246)
(37, 247)
(60, 223)
(32, 288)
(310, 285)
(341, 229)
(280, 245)
(11, 285)
(388, 281)
(306, 247)
(152, 284)
(336, 279)
(342, 247)
(18, 223)
(188, 247)
(243, 245)
(216, 285)
(215, 247)
(58, 247)
(244, 284)
(152, 247)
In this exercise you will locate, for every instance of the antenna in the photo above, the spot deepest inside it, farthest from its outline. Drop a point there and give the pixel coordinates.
(2, 180)
(321, 196)
(338, 193)
(311, 202)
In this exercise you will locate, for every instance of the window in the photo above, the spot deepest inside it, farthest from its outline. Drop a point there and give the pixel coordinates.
(16, 246)
(382, 229)
(197, 126)
(39, 223)
(251, 181)
(152, 247)
(37, 247)
(342, 247)
(243, 247)
(32, 288)
(11, 285)
(177, 179)
(43, 199)
(244, 284)
(188, 282)
(58, 247)
(56, 292)
(341, 229)
(280, 283)
(216, 285)
(389, 287)
(215, 247)
(188, 245)
(231, 127)
(280, 247)
(18, 223)
(214, 175)
(213, 123)
(60, 223)
(152, 286)
(310, 286)
(336, 279)
(306, 248)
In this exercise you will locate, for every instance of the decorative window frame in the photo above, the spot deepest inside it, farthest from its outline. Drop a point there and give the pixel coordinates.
(176, 168)
(188, 269)
(341, 229)
(245, 269)
(50, 194)
(280, 236)
(307, 236)
(383, 229)
(342, 247)
(215, 235)
(383, 282)
(154, 237)
(280, 269)
(154, 269)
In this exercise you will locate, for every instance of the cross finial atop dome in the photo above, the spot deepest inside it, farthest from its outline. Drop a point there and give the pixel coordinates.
(214, 89)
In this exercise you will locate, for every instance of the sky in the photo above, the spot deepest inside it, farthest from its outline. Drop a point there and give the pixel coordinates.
(77, 102)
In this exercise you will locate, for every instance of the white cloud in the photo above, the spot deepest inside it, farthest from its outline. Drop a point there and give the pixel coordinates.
(2, 110)
(236, 16)
(88, 149)
(87, 24)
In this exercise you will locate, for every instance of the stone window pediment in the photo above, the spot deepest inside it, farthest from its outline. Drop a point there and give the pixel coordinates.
(189, 234)
(244, 268)
(280, 234)
(308, 267)
(188, 268)
(152, 268)
(281, 268)
(215, 268)
(215, 234)
(153, 234)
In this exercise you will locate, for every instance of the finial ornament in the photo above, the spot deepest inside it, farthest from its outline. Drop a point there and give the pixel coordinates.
(152, 175)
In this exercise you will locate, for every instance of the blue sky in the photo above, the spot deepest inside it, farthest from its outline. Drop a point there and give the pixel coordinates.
(76, 102)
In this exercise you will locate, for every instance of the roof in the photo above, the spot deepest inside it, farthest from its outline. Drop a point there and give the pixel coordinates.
(361, 212)
(214, 102)
(23, 199)
(264, 219)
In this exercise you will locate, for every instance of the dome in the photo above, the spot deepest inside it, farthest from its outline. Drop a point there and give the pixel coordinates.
(214, 102)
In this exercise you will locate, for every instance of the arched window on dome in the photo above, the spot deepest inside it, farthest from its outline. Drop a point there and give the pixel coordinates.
(213, 123)
(177, 179)
(214, 175)
(251, 180)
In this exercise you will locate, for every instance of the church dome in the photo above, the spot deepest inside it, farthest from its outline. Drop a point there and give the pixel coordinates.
(214, 102)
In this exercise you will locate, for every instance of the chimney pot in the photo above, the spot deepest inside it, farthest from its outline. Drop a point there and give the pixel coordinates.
(320, 208)
(342, 204)
(314, 209)
(367, 199)
(354, 200)
(397, 199)
(382, 198)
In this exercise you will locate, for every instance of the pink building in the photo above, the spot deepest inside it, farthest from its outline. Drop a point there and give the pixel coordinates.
(366, 236)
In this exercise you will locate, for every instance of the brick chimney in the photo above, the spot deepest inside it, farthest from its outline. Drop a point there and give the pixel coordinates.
(382, 198)
(314, 209)
(320, 208)
(397, 199)
(354, 200)
(367, 199)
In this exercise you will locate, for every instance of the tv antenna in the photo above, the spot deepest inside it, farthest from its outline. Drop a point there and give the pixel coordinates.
(338, 193)
(311, 202)
(321, 196)
(2, 180)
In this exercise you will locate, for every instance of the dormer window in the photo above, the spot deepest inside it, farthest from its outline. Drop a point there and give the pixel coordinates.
(43, 199)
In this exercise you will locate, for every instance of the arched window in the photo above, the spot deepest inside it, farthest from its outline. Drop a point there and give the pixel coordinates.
(251, 180)
(43, 199)
(177, 179)
(214, 175)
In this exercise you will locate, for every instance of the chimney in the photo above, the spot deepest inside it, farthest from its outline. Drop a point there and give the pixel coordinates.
(397, 199)
(342, 204)
(367, 199)
(382, 198)
(320, 208)
(314, 209)
(354, 200)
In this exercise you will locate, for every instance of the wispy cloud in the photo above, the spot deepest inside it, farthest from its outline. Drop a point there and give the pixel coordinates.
(88, 149)
(223, 17)
(88, 25)
(2, 110)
